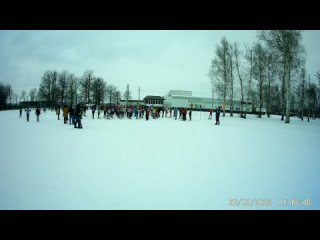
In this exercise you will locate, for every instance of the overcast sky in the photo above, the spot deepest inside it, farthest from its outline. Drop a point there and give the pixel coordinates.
(157, 61)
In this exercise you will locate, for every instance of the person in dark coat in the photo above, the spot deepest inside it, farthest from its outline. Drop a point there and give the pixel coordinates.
(190, 114)
(218, 116)
(71, 115)
(184, 114)
(78, 113)
(58, 112)
(93, 108)
(20, 111)
(147, 113)
(38, 113)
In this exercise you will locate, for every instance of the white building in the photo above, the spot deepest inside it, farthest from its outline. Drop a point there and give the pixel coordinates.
(184, 99)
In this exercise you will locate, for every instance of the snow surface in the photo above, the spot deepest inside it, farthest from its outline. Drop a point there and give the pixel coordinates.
(158, 164)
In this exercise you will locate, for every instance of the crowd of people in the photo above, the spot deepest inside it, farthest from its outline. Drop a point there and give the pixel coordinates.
(75, 114)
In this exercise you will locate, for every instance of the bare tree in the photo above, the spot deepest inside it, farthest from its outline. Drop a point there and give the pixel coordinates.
(301, 89)
(230, 67)
(218, 72)
(259, 69)
(71, 89)
(127, 94)
(287, 43)
(312, 99)
(98, 90)
(23, 95)
(62, 86)
(317, 75)
(86, 81)
(271, 70)
(249, 57)
(16, 97)
(117, 96)
(241, 79)
(5, 92)
(9, 93)
(33, 94)
(48, 89)
(112, 94)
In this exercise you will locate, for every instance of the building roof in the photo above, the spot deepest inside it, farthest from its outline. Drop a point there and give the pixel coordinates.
(131, 100)
(154, 98)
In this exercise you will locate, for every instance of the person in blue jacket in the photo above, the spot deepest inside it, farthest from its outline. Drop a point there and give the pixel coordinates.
(28, 113)
(78, 113)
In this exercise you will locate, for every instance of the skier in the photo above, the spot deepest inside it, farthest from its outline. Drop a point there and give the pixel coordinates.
(38, 113)
(175, 113)
(210, 114)
(58, 112)
(78, 113)
(99, 112)
(190, 114)
(93, 108)
(218, 116)
(147, 113)
(20, 111)
(184, 114)
(28, 113)
(65, 114)
(136, 112)
(71, 115)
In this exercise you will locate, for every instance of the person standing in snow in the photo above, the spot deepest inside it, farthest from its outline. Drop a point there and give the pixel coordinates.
(20, 111)
(190, 114)
(93, 108)
(38, 113)
(99, 111)
(65, 114)
(184, 114)
(58, 112)
(136, 112)
(175, 113)
(210, 114)
(218, 116)
(147, 113)
(71, 115)
(78, 113)
(28, 113)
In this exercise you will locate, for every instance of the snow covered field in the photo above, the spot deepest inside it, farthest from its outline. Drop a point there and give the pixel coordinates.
(158, 164)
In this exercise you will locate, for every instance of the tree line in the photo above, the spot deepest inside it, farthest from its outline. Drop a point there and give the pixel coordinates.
(270, 74)
(60, 88)
(66, 88)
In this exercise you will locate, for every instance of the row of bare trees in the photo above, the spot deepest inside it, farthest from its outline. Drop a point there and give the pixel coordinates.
(270, 74)
(64, 87)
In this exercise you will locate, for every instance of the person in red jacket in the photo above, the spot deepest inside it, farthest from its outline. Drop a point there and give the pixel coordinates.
(147, 113)
(210, 114)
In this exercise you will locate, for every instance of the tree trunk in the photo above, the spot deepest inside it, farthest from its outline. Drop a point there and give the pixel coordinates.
(260, 92)
(283, 97)
(302, 102)
(288, 94)
(269, 95)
